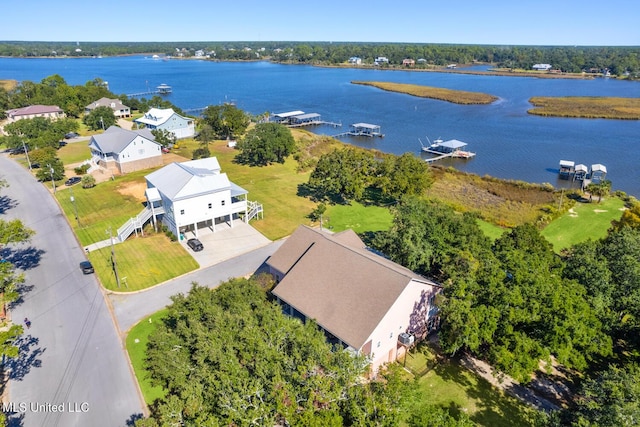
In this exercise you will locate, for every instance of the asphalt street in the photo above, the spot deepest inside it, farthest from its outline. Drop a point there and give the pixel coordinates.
(72, 369)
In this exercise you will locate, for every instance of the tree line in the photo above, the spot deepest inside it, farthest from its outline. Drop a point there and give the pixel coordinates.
(574, 59)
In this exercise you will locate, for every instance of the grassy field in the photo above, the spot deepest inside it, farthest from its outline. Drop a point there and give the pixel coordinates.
(582, 222)
(74, 152)
(449, 95)
(137, 340)
(107, 205)
(445, 383)
(490, 230)
(142, 262)
(589, 107)
(357, 217)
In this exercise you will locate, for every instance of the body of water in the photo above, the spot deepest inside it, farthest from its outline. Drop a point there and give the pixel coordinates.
(509, 142)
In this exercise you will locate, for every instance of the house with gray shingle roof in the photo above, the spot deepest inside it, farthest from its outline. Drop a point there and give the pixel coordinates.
(194, 195)
(122, 151)
(361, 300)
(119, 109)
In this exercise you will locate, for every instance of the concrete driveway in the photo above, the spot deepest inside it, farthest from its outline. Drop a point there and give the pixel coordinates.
(227, 242)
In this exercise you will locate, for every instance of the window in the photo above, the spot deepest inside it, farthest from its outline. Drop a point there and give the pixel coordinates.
(210, 205)
(391, 335)
(181, 211)
(223, 202)
(378, 344)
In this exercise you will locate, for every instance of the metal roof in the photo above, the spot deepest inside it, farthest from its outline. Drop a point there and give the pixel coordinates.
(306, 116)
(453, 144)
(289, 114)
(115, 139)
(365, 125)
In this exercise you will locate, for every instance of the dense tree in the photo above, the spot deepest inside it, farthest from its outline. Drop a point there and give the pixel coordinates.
(230, 357)
(52, 170)
(342, 175)
(610, 271)
(266, 143)
(507, 302)
(599, 189)
(11, 232)
(38, 132)
(226, 120)
(436, 416)
(404, 175)
(630, 217)
(609, 399)
(100, 118)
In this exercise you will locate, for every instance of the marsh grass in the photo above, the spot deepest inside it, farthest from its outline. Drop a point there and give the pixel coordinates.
(590, 107)
(450, 95)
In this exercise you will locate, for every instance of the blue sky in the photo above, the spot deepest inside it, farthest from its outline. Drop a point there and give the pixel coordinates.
(504, 22)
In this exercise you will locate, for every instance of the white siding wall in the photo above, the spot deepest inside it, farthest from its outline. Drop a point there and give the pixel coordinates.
(139, 148)
(180, 126)
(197, 209)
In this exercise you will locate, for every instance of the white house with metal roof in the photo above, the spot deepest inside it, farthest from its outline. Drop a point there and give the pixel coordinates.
(122, 151)
(169, 120)
(196, 195)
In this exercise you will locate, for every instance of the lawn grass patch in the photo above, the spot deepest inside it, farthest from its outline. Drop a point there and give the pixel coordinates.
(74, 152)
(582, 222)
(444, 382)
(357, 217)
(142, 262)
(136, 342)
(490, 230)
(107, 205)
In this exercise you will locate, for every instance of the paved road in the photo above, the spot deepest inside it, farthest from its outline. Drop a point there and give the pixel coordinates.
(130, 308)
(72, 355)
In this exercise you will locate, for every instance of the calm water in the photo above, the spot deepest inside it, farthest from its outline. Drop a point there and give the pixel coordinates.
(509, 143)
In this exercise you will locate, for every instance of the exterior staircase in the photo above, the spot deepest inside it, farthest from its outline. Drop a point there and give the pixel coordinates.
(133, 225)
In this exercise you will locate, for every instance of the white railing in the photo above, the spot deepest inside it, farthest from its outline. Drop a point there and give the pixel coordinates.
(254, 209)
(134, 224)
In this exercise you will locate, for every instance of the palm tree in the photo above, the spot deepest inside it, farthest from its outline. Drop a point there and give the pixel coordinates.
(599, 189)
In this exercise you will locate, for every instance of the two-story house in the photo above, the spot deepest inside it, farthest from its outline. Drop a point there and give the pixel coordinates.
(194, 195)
(169, 120)
(119, 109)
(122, 151)
(362, 301)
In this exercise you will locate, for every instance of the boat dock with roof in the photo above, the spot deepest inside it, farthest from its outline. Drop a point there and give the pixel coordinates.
(300, 118)
(362, 129)
(569, 170)
(443, 149)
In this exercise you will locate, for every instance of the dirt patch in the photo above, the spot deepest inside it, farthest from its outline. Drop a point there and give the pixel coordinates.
(133, 189)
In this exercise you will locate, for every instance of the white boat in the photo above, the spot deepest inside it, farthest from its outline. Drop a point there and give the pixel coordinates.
(433, 146)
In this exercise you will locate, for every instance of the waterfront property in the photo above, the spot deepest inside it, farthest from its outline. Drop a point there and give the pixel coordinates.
(567, 168)
(52, 112)
(362, 301)
(195, 195)
(121, 151)
(119, 109)
(169, 120)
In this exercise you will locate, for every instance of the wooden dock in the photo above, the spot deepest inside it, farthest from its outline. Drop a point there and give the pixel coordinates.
(458, 154)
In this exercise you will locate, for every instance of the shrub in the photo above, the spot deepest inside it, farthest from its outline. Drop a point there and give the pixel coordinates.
(82, 169)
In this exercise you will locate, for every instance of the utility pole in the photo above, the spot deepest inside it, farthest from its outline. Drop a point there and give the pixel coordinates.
(113, 259)
(52, 181)
(26, 153)
(75, 208)
(102, 123)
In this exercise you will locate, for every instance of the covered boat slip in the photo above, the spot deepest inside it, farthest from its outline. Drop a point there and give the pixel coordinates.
(300, 118)
(451, 148)
(580, 172)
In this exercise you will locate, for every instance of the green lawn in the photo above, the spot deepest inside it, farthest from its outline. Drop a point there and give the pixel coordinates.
(74, 152)
(490, 230)
(445, 383)
(357, 217)
(582, 222)
(108, 204)
(137, 340)
(142, 262)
